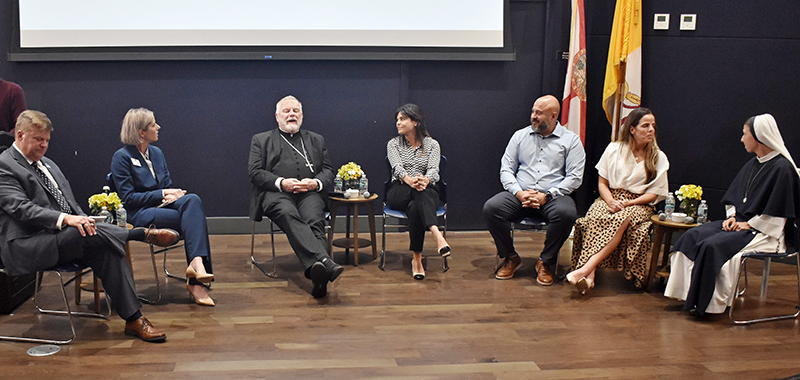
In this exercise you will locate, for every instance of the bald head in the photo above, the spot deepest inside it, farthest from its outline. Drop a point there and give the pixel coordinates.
(544, 114)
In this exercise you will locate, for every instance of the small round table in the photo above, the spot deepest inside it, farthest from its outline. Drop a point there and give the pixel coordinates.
(663, 233)
(352, 208)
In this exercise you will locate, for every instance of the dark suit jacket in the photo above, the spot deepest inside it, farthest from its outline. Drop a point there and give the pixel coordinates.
(28, 214)
(265, 151)
(136, 185)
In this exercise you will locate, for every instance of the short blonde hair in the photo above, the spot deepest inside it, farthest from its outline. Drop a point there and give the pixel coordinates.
(137, 119)
(30, 120)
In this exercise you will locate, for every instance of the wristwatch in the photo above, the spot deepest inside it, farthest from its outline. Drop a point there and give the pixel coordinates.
(548, 196)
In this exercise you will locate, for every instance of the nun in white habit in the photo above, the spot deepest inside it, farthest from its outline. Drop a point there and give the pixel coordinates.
(761, 205)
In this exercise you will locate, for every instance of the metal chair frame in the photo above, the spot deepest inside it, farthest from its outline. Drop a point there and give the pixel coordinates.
(261, 265)
(528, 224)
(441, 212)
(153, 253)
(77, 271)
(767, 257)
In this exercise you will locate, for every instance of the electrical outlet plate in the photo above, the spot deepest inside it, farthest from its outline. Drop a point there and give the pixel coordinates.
(661, 21)
(688, 21)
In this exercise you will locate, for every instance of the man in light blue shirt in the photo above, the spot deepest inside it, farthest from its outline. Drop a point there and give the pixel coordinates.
(543, 163)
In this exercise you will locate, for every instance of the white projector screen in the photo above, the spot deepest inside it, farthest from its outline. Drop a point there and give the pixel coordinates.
(68, 26)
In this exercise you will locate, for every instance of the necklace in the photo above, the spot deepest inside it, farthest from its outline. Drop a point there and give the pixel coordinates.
(304, 154)
(751, 180)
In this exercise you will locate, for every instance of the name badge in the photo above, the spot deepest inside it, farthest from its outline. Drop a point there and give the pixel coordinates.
(135, 162)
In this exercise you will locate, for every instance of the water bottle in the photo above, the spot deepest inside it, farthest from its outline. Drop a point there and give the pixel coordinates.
(363, 185)
(122, 216)
(105, 214)
(702, 212)
(669, 205)
(338, 184)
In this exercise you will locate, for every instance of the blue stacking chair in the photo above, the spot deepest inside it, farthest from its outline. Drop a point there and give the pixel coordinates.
(441, 212)
(76, 270)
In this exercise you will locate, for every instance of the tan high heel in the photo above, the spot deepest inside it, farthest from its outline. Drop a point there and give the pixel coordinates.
(204, 278)
(207, 301)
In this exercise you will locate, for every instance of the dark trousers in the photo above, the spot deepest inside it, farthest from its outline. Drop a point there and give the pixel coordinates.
(420, 206)
(302, 218)
(502, 209)
(105, 254)
(186, 216)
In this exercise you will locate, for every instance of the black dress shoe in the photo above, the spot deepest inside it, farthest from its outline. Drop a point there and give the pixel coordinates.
(334, 270)
(319, 277)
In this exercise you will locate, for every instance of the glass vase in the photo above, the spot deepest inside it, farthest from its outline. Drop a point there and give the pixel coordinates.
(351, 184)
(689, 206)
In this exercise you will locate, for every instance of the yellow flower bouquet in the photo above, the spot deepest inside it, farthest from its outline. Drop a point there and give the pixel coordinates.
(690, 196)
(111, 201)
(350, 174)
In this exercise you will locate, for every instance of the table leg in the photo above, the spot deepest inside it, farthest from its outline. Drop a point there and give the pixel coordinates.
(665, 255)
(347, 234)
(333, 229)
(654, 253)
(371, 216)
(355, 234)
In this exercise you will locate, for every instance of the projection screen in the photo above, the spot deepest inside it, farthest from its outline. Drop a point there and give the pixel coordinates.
(262, 29)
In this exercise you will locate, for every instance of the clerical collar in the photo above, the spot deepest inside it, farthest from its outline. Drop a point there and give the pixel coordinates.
(287, 134)
(768, 156)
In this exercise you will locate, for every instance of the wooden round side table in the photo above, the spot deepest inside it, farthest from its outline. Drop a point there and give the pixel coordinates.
(355, 242)
(662, 233)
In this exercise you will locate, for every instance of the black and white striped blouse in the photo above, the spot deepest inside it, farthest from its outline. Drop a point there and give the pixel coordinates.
(406, 160)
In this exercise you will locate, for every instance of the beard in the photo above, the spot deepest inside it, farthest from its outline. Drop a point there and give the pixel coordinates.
(291, 128)
(543, 126)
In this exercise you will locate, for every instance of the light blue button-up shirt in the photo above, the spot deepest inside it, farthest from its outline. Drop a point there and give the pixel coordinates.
(553, 163)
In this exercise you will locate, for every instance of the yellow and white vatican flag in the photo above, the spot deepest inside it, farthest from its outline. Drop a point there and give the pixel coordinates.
(573, 106)
(623, 85)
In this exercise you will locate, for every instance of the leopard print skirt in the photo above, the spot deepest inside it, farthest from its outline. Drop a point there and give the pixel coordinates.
(597, 228)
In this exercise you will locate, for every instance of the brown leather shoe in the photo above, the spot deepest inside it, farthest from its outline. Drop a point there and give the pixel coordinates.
(144, 330)
(509, 266)
(162, 237)
(543, 276)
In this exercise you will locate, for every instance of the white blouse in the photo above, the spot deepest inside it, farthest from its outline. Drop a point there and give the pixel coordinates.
(619, 167)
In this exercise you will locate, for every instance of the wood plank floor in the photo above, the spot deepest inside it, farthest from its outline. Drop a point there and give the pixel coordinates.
(376, 324)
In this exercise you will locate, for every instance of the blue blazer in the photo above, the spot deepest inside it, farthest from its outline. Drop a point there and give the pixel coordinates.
(136, 185)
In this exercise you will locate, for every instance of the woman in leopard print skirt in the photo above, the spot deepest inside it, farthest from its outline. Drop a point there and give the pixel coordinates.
(615, 233)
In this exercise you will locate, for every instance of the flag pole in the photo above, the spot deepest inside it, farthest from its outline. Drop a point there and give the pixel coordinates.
(618, 101)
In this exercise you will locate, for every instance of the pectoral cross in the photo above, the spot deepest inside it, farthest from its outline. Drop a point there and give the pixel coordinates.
(310, 166)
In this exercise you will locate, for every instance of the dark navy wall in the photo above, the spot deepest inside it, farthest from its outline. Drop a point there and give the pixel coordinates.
(702, 85)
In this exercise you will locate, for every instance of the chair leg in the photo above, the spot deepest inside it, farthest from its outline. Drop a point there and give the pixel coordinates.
(158, 281)
(69, 313)
(382, 263)
(166, 271)
(765, 277)
(737, 293)
(274, 272)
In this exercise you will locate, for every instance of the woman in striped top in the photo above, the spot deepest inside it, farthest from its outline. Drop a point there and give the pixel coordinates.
(414, 157)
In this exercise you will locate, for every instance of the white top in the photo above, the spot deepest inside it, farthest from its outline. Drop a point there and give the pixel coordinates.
(619, 167)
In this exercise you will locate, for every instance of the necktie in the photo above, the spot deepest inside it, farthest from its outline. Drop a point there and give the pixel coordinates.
(62, 202)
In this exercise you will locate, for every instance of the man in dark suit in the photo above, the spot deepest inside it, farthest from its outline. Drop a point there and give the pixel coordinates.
(291, 173)
(43, 225)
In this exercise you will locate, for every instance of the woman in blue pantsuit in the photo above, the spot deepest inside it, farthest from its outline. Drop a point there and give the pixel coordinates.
(140, 174)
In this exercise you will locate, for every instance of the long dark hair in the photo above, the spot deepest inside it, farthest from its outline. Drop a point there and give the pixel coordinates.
(414, 112)
(651, 150)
